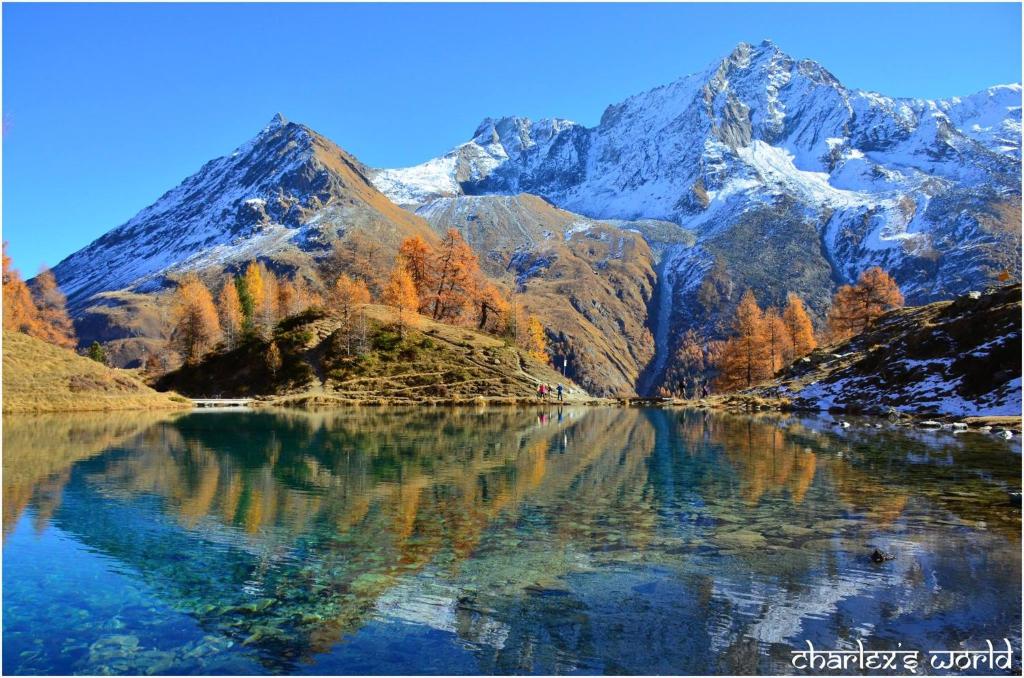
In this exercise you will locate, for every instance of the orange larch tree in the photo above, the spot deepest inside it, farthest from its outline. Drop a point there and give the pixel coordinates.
(55, 324)
(855, 307)
(536, 339)
(255, 294)
(287, 302)
(359, 256)
(271, 311)
(348, 297)
(419, 258)
(20, 312)
(400, 292)
(492, 309)
(262, 287)
(196, 325)
(778, 343)
(744, 359)
(457, 275)
(801, 331)
(273, 359)
(229, 309)
(294, 296)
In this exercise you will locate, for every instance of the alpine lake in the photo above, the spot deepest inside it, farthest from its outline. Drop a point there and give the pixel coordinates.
(498, 541)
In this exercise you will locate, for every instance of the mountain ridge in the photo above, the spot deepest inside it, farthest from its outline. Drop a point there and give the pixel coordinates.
(761, 171)
(286, 188)
(763, 145)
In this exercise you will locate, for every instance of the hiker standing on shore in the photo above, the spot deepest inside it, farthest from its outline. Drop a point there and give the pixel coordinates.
(560, 393)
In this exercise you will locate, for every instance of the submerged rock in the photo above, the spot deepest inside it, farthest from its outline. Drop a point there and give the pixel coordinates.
(113, 647)
(881, 556)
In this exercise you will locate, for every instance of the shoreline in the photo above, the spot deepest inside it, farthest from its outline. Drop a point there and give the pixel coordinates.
(732, 403)
(745, 403)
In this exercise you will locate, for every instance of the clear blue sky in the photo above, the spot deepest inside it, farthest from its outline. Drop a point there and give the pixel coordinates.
(107, 106)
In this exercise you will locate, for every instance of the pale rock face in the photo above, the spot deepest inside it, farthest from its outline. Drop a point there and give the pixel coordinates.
(494, 143)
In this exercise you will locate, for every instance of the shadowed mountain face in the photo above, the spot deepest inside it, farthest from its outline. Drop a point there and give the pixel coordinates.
(588, 540)
(762, 171)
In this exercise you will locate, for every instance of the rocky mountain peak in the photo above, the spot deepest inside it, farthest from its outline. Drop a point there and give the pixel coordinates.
(517, 134)
(258, 198)
(275, 123)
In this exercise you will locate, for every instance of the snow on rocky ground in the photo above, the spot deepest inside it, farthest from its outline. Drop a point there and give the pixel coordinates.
(960, 358)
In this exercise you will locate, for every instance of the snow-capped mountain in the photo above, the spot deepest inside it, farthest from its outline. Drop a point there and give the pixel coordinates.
(761, 171)
(287, 193)
(790, 180)
(756, 120)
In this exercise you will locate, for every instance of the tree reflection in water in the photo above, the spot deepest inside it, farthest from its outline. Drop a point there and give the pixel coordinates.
(594, 540)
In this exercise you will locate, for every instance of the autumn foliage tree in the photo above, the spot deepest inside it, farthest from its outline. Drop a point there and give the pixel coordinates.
(41, 312)
(744, 359)
(252, 294)
(777, 342)
(54, 322)
(492, 309)
(856, 307)
(295, 296)
(536, 340)
(763, 343)
(229, 310)
(361, 257)
(798, 324)
(20, 312)
(261, 300)
(400, 292)
(273, 359)
(348, 296)
(196, 325)
(456, 277)
(418, 257)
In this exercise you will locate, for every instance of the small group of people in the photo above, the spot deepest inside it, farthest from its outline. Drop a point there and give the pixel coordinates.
(544, 391)
(693, 388)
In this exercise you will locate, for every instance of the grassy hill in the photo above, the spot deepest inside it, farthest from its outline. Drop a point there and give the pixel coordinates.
(958, 358)
(40, 377)
(433, 362)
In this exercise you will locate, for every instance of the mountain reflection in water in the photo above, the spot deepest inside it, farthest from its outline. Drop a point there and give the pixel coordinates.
(495, 541)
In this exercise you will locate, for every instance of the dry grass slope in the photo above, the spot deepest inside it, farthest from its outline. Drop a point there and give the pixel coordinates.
(39, 377)
(433, 363)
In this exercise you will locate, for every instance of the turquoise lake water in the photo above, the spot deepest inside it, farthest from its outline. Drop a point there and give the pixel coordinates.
(499, 541)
